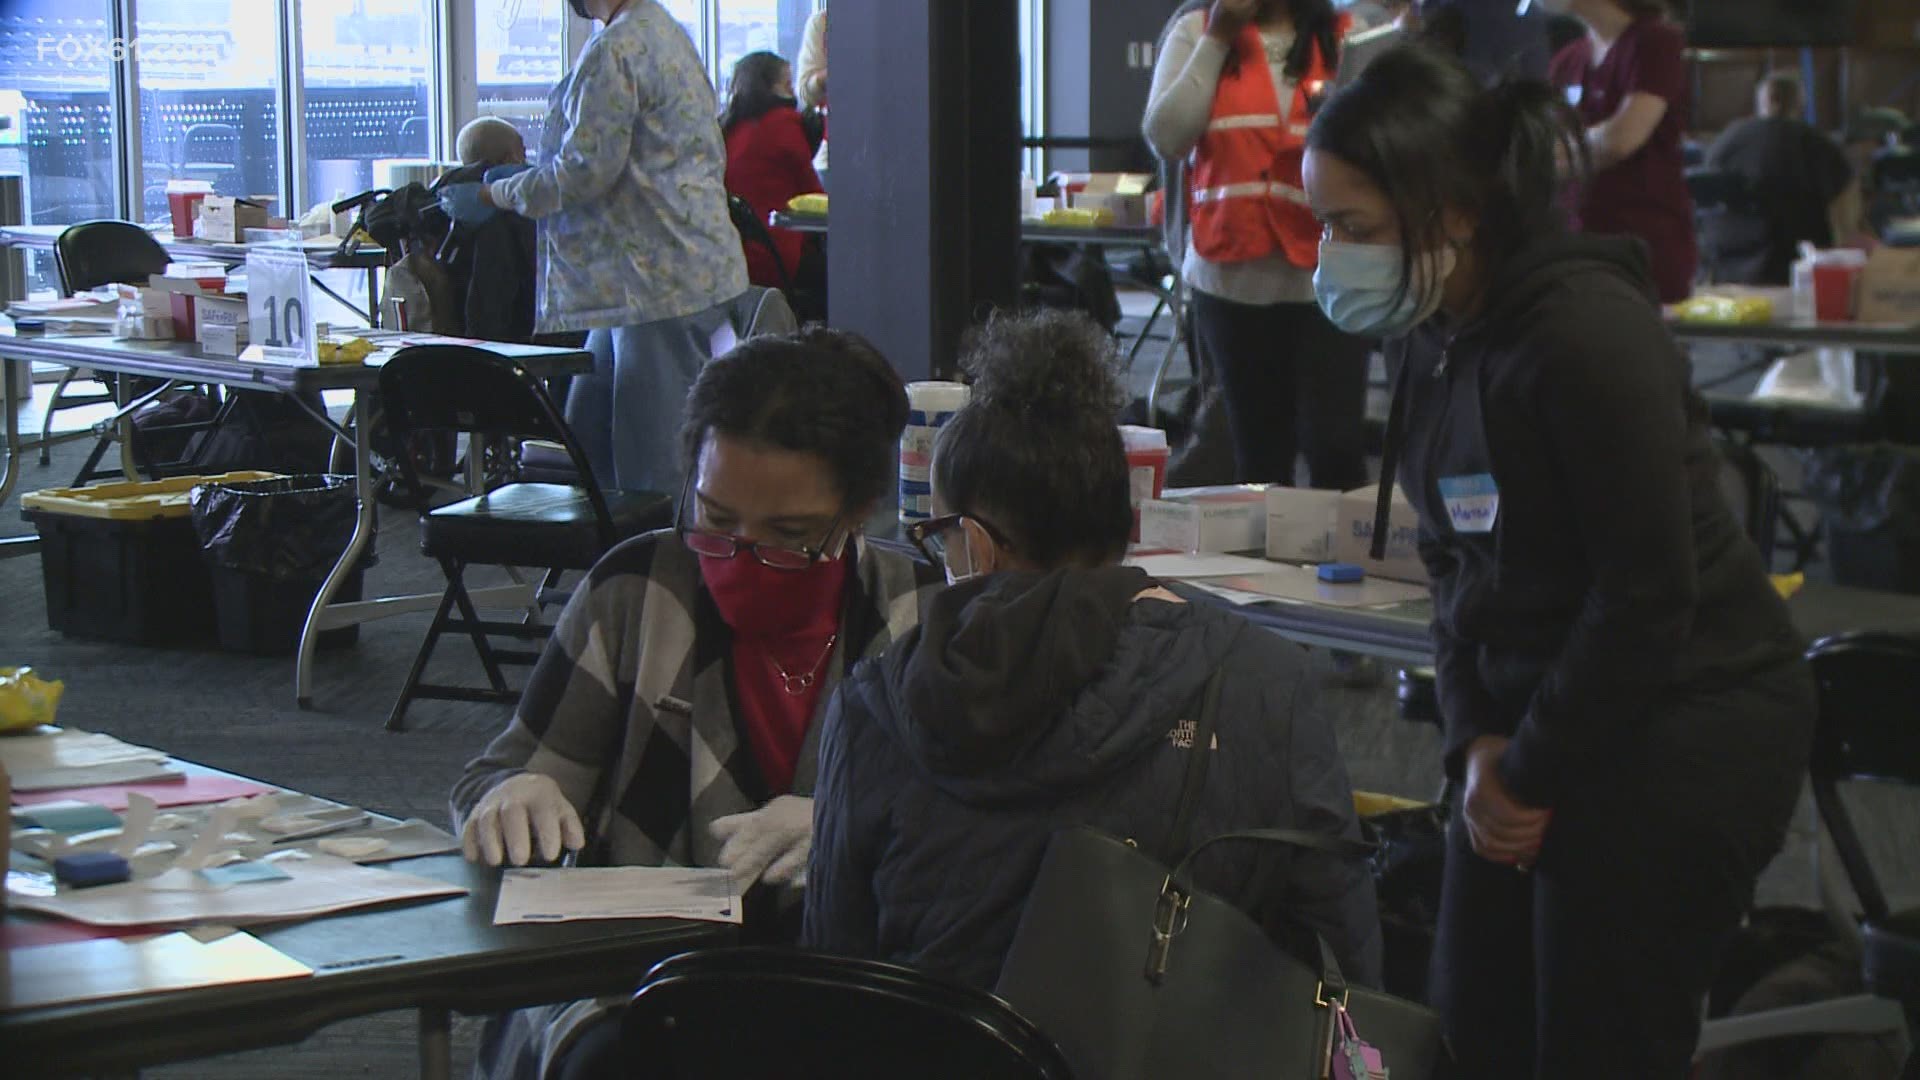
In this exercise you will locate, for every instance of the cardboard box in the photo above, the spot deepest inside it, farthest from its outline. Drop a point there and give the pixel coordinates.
(225, 219)
(1353, 536)
(180, 293)
(221, 324)
(1300, 524)
(1124, 194)
(1210, 519)
(1890, 287)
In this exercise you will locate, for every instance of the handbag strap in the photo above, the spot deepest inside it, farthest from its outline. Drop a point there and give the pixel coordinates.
(1200, 755)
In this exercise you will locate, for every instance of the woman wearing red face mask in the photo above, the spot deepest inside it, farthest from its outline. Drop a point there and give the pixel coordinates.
(672, 717)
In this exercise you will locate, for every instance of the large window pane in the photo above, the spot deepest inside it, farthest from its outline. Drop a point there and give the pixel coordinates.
(520, 49)
(688, 14)
(207, 74)
(58, 133)
(365, 64)
(759, 26)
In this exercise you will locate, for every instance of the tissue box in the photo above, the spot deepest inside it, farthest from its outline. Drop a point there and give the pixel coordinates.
(1353, 536)
(1300, 524)
(225, 219)
(222, 324)
(1209, 519)
(1122, 194)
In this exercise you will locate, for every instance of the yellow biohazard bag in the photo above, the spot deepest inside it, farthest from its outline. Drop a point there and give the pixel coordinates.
(27, 700)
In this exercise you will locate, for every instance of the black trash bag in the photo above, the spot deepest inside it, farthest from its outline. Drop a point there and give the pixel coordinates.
(1869, 500)
(293, 528)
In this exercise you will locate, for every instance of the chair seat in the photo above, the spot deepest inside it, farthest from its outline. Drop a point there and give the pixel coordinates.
(545, 525)
(1892, 957)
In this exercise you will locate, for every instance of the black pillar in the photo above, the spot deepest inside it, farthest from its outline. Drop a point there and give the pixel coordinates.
(926, 162)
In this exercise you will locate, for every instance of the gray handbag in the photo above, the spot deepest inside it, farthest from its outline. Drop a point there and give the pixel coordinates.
(1136, 973)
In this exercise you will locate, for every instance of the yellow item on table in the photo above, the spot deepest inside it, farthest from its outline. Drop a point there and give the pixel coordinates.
(1788, 584)
(132, 500)
(1079, 218)
(1731, 310)
(1373, 804)
(352, 351)
(26, 700)
(808, 204)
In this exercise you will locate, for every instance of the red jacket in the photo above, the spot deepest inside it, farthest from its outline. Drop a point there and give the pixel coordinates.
(1246, 194)
(769, 162)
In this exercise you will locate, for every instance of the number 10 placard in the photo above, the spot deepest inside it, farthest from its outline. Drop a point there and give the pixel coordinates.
(280, 305)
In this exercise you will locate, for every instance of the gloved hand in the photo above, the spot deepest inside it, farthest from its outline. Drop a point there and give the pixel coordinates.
(521, 814)
(501, 172)
(463, 203)
(770, 844)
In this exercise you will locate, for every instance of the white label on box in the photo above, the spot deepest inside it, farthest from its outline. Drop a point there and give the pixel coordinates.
(223, 340)
(1140, 482)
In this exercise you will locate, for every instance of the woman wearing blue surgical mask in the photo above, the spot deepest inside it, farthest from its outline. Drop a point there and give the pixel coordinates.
(1627, 714)
(1047, 689)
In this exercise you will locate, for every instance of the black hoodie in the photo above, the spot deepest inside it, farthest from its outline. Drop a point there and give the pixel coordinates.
(1029, 703)
(1586, 569)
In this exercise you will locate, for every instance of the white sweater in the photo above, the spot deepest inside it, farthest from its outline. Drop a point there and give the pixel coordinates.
(1185, 79)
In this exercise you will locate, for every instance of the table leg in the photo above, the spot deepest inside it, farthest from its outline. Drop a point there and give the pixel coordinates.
(10, 401)
(373, 296)
(123, 395)
(436, 1044)
(350, 558)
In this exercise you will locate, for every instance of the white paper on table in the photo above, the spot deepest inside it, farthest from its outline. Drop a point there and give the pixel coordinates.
(135, 824)
(316, 885)
(113, 967)
(86, 776)
(574, 894)
(1177, 567)
(50, 748)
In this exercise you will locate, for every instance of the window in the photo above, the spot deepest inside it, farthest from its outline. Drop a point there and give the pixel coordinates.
(57, 115)
(747, 26)
(688, 14)
(519, 52)
(365, 67)
(207, 72)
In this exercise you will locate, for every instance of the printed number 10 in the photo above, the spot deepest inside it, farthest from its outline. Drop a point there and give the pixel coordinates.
(290, 315)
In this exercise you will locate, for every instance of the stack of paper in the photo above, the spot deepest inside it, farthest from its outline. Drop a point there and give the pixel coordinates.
(617, 892)
(82, 314)
(48, 758)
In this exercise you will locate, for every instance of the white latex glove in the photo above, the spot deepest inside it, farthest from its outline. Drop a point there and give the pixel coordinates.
(770, 844)
(520, 814)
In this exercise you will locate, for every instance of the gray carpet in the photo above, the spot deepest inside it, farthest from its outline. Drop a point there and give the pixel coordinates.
(238, 713)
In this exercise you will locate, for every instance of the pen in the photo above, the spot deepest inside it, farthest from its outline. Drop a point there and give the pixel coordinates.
(570, 858)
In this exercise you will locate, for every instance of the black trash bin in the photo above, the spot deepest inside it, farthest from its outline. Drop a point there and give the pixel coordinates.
(269, 545)
(1869, 500)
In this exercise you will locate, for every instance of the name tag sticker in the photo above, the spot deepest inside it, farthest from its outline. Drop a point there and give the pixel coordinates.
(1473, 502)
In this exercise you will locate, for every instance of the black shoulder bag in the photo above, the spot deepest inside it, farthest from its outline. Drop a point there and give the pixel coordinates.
(1135, 973)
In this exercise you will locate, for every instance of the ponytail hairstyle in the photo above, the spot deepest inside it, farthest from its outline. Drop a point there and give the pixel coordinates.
(1422, 129)
(1314, 23)
(1036, 450)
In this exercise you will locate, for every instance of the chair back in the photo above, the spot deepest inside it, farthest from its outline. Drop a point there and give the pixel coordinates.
(1752, 490)
(459, 388)
(96, 253)
(754, 231)
(1868, 684)
(815, 1016)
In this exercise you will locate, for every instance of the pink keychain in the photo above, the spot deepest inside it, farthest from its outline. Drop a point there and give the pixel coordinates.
(1353, 1059)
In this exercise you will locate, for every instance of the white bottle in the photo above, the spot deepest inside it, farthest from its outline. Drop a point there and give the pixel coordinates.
(1803, 306)
(342, 221)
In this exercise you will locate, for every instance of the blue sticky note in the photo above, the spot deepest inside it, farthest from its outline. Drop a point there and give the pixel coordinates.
(68, 818)
(244, 873)
(91, 868)
(1341, 573)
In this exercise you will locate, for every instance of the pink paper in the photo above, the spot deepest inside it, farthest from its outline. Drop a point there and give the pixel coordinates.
(193, 791)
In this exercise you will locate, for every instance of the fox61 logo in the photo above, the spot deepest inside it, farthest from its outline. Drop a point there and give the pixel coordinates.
(87, 48)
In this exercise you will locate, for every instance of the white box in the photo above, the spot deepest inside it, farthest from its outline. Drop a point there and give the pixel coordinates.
(1353, 536)
(223, 340)
(1210, 519)
(225, 219)
(221, 324)
(1300, 524)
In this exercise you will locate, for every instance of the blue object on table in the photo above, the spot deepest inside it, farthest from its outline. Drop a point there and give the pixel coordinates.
(1341, 573)
(91, 868)
(83, 817)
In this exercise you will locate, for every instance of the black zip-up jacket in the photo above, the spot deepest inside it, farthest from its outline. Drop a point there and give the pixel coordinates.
(1586, 569)
(1025, 704)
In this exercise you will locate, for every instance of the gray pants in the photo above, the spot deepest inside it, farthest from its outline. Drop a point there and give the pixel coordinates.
(627, 413)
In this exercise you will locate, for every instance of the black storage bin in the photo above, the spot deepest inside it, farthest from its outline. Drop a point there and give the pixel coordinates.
(137, 582)
(1869, 499)
(270, 545)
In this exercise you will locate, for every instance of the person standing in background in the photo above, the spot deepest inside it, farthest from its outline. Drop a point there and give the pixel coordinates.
(813, 80)
(1802, 186)
(1627, 79)
(768, 163)
(636, 245)
(1233, 89)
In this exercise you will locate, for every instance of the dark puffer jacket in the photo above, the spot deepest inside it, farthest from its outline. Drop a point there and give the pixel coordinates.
(1026, 704)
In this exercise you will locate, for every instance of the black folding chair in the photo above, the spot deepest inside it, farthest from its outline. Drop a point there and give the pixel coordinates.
(87, 256)
(1752, 489)
(815, 1017)
(554, 527)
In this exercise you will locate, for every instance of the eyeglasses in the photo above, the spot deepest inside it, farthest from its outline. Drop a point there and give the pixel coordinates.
(718, 545)
(932, 535)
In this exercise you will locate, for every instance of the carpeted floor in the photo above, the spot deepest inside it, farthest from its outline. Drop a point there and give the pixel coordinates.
(238, 713)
